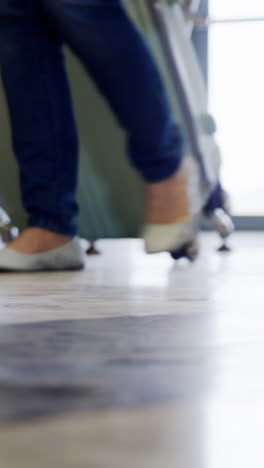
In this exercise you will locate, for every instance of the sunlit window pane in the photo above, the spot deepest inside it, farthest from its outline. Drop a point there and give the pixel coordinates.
(236, 96)
(236, 8)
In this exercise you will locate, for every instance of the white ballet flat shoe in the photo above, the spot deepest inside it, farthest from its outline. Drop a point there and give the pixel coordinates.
(68, 257)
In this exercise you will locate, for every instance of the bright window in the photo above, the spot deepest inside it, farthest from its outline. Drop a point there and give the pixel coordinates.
(223, 9)
(236, 96)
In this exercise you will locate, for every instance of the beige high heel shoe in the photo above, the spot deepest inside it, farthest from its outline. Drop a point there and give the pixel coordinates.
(177, 226)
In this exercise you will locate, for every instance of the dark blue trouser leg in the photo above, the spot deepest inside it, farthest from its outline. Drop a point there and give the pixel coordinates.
(44, 134)
(115, 55)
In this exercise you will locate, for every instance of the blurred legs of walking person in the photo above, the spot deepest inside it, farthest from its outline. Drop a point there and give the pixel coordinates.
(99, 32)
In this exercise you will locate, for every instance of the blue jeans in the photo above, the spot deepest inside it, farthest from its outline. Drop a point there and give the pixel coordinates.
(32, 35)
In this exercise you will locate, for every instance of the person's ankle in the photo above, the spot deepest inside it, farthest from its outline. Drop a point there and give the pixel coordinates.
(168, 200)
(36, 240)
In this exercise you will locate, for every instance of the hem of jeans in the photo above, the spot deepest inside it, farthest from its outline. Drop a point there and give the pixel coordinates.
(154, 175)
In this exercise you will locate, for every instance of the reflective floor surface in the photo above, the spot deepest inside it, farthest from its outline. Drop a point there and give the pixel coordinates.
(135, 362)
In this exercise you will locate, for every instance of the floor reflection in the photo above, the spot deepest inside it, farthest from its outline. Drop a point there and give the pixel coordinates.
(124, 362)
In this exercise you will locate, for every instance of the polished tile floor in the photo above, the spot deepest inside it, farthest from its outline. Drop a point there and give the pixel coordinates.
(135, 362)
